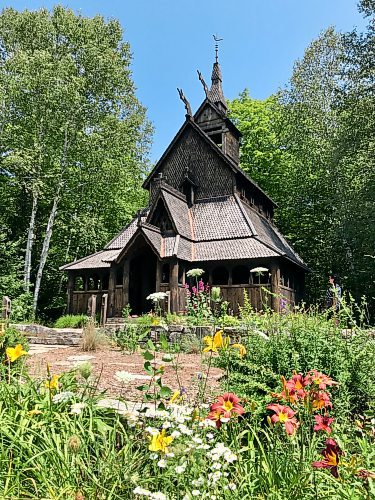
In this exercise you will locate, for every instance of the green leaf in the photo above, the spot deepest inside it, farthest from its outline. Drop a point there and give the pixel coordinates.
(151, 345)
(165, 392)
(142, 388)
(148, 356)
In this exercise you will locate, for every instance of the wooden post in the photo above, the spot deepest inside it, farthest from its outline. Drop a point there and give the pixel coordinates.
(91, 306)
(125, 283)
(111, 292)
(275, 286)
(173, 285)
(159, 265)
(70, 290)
(103, 309)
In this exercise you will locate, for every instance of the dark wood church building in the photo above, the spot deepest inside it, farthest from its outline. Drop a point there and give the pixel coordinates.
(204, 212)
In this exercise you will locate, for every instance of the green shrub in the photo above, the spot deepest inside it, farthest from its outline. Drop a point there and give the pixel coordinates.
(71, 321)
(302, 342)
(22, 308)
(130, 336)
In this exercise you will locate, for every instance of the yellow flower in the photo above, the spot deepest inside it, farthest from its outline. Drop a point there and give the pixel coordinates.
(14, 353)
(33, 412)
(215, 342)
(53, 383)
(241, 348)
(160, 442)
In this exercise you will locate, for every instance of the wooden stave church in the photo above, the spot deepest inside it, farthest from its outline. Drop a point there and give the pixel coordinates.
(204, 212)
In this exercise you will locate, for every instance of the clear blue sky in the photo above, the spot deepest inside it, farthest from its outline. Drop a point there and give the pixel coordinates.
(171, 39)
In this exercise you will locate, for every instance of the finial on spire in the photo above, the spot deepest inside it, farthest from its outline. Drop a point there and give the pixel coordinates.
(217, 40)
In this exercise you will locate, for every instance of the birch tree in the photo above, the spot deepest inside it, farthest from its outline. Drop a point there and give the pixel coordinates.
(72, 118)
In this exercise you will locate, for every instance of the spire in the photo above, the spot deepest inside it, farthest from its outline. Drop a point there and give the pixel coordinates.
(216, 94)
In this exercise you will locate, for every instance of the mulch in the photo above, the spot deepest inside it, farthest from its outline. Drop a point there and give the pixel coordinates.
(106, 361)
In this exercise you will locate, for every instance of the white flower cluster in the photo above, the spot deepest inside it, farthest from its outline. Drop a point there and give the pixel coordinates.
(142, 492)
(76, 408)
(220, 451)
(155, 297)
(62, 397)
(195, 273)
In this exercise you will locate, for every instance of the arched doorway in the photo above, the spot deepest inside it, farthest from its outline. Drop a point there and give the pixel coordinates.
(142, 279)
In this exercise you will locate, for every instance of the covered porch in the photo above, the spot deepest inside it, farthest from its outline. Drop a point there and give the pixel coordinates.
(140, 273)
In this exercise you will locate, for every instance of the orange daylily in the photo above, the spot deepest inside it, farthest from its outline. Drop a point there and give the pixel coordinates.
(320, 379)
(331, 455)
(284, 415)
(14, 353)
(225, 407)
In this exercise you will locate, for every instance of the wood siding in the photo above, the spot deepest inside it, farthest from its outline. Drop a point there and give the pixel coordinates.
(212, 176)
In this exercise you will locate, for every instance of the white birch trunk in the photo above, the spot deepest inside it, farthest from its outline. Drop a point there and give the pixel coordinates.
(45, 248)
(51, 221)
(29, 244)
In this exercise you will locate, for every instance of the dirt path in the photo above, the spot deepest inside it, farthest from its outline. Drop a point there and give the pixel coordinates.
(106, 361)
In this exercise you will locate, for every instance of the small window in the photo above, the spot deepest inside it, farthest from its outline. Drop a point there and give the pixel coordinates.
(240, 275)
(79, 283)
(220, 276)
(217, 138)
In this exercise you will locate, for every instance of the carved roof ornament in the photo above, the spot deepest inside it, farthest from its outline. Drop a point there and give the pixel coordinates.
(205, 86)
(185, 101)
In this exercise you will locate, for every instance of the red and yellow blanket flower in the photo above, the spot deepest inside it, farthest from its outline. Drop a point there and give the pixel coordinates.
(13, 353)
(285, 416)
(323, 423)
(331, 456)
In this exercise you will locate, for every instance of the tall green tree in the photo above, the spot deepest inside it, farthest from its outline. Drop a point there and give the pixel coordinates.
(73, 136)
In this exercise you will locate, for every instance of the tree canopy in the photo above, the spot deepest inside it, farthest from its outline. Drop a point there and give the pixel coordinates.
(73, 138)
(311, 148)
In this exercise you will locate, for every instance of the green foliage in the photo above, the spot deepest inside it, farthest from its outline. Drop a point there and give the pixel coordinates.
(73, 154)
(126, 311)
(10, 338)
(302, 342)
(71, 321)
(22, 307)
(311, 148)
(129, 337)
(11, 266)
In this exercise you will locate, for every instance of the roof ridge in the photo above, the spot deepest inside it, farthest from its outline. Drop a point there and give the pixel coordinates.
(247, 218)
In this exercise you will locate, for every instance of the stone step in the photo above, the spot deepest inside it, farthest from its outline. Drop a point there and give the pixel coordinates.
(115, 321)
(55, 340)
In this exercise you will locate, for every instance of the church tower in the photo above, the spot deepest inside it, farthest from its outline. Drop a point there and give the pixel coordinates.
(212, 116)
